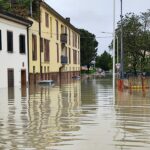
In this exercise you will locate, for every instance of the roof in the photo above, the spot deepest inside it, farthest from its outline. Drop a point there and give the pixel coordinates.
(50, 9)
(15, 18)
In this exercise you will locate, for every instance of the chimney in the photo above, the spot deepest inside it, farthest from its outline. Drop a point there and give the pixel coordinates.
(68, 19)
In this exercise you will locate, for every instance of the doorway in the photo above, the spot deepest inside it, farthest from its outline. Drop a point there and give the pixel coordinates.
(23, 78)
(10, 78)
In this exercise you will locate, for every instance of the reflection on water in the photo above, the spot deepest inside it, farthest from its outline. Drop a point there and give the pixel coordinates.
(75, 116)
(133, 120)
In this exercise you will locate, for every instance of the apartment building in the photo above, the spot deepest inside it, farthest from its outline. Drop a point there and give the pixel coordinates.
(54, 45)
(13, 50)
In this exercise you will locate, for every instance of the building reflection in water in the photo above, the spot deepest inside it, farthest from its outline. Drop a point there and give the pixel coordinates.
(132, 120)
(48, 115)
(45, 117)
(13, 118)
(54, 114)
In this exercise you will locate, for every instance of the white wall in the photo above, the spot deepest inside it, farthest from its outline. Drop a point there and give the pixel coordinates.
(12, 60)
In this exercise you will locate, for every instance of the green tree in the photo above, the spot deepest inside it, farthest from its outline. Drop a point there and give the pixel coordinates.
(136, 37)
(20, 7)
(35, 9)
(104, 61)
(5, 4)
(88, 47)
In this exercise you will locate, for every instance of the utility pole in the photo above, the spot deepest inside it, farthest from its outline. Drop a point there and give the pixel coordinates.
(122, 53)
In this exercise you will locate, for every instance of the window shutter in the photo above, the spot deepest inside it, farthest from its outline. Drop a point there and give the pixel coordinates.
(34, 47)
(41, 44)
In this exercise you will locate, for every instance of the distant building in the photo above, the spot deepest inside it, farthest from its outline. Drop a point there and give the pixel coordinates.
(13, 50)
(54, 47)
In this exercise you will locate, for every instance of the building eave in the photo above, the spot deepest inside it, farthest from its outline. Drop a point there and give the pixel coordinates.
(15, 18)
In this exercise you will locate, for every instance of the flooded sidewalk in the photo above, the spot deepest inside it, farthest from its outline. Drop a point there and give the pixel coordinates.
(75, 116)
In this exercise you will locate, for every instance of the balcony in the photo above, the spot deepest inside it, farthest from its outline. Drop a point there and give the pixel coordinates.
(64, 60)
(63, 38)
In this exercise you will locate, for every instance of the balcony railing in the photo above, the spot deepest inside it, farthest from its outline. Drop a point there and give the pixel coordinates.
(64, 59)
(63, 38)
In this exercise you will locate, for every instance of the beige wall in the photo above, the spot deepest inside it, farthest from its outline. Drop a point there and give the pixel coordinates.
(49, 33)
(34, 30)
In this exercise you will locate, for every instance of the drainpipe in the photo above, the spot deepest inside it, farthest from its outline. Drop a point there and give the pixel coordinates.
(40, 39)
(28, 59)
(28, 55)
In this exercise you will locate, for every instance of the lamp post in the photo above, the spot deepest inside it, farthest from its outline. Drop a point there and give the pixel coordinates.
(117, 49)
(122, 53)
(114, 36)
(114, 13)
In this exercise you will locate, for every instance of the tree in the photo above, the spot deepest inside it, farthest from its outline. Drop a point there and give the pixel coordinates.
(21, 7)
(136, 37)
(88, 47)
(104, 61)
(4, 4)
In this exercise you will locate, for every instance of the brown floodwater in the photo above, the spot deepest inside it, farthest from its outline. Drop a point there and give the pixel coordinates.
(81, 115)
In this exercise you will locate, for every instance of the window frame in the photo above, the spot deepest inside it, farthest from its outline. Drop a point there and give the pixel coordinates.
(46, 19)
(22, 52)
(8, 44)
(34, 47)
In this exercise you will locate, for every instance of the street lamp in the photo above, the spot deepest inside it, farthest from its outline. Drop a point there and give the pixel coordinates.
(114, 13)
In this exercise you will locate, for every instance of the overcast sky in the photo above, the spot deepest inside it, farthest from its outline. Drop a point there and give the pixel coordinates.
(96, 16)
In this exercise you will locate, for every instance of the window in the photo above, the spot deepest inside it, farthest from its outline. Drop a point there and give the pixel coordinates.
(69, 56)
(57, 31)
(0, 40)
(69, 37)
(46, 19)
(10, 75)
(22, 46)
(57, 47)
(65, 29)
(73, 39)
(46, 52)
(41, 44)
(74, 56)
(78, 57)
(34, 47)
(51, 29)
(9, 41)
(78, 42)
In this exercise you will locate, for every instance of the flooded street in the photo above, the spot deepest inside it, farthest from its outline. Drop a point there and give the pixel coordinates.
(75, 116)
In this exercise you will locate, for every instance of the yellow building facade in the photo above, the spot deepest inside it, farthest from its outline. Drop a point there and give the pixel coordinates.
(54, 47)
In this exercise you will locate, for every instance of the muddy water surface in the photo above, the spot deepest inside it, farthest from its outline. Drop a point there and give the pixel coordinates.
(81, 115)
